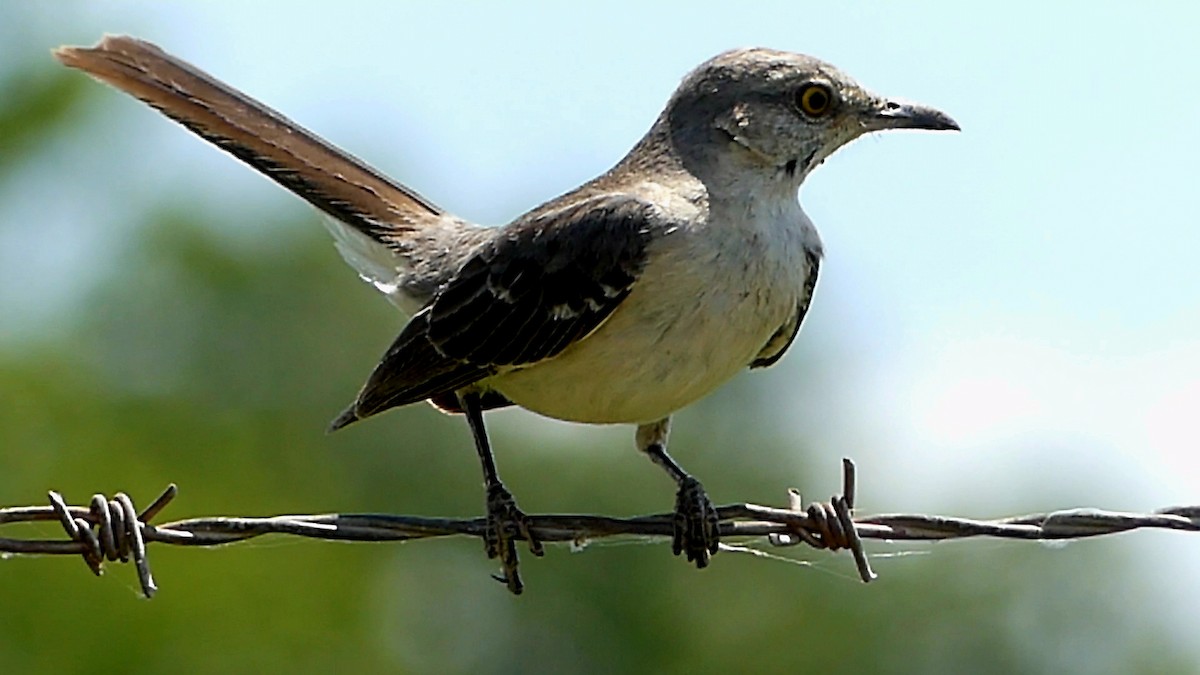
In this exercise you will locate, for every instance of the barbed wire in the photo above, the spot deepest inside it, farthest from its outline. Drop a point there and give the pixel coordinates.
(112, 530)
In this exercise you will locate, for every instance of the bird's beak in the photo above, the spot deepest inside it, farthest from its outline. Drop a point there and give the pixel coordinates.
(902, 115)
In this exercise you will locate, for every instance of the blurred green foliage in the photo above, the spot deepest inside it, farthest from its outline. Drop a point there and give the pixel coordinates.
(35, 104)
(216, 364)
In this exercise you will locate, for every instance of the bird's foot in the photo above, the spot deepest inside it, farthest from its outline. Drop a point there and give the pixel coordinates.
(696, 531)
(505, 525)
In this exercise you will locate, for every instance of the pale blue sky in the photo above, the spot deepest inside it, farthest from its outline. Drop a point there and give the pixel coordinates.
(1020, 301)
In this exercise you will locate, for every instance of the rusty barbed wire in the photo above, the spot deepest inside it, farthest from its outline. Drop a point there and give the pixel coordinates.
(111, 529)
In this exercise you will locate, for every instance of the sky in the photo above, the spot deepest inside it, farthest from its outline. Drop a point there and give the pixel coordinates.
(1014, 306)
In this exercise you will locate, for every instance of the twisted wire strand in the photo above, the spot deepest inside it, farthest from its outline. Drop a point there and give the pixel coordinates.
(112, 530)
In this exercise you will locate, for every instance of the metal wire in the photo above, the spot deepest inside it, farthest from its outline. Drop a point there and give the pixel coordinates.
(112, 530)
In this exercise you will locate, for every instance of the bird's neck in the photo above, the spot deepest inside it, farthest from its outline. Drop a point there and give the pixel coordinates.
(729, 171)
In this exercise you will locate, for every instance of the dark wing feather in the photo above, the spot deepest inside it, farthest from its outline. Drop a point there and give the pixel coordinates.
(411, 370)
(543, 283)
(783, 338)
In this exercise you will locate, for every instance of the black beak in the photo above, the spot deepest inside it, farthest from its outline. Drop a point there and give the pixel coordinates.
(897, 115)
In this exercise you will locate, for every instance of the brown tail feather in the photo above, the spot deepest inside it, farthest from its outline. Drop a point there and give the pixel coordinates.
(332, 180)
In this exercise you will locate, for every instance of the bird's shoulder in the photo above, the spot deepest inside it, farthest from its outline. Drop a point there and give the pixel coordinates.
(548, 279)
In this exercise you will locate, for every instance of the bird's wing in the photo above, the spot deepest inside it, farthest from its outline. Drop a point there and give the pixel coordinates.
(782, 339)
(543, 284)
(331, 180)
(540, 285)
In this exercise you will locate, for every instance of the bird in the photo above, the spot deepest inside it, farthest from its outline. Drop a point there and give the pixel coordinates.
(619, 302)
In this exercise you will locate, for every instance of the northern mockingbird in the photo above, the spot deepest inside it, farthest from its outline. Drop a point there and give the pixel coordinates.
(619, 302)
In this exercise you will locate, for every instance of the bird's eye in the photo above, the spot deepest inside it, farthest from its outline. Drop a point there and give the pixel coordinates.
(814, 100)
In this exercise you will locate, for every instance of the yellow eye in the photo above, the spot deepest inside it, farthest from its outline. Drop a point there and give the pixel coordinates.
(814, 100)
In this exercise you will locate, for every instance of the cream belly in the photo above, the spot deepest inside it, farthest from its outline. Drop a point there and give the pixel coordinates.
(702, 310)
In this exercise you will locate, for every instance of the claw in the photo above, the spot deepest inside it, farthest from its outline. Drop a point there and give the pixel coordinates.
(696, 530)
(505, 525)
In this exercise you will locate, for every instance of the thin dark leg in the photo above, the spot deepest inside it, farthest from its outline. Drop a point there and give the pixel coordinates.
(474, 414)
(505, 522)
(696, 529)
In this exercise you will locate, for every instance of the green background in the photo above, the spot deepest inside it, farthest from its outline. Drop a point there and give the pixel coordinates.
(214, 359)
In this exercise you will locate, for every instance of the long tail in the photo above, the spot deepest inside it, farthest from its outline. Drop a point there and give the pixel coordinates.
(333, 181)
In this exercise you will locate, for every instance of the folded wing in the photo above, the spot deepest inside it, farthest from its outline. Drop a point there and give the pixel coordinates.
(540, 285)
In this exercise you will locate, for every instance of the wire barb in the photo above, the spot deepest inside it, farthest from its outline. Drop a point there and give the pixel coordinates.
(113, 530)
(108, 530)
(830, 524)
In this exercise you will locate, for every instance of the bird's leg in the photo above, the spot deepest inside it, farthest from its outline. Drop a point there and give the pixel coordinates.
(696, 531)
(505, 522)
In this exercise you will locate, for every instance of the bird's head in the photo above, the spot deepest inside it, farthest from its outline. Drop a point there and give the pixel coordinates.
(779, 112)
